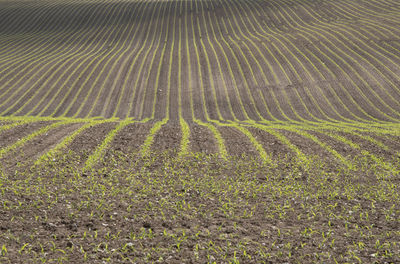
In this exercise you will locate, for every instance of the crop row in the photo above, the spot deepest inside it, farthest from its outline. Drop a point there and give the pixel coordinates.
(202, 61)
(335, 143)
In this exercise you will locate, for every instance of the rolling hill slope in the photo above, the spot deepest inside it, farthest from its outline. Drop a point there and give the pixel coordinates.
(209, 60)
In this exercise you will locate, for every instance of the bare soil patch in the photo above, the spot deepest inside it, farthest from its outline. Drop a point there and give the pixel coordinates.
(202, 140)
(271, 144)
(85, 143)
(236, 142)
(131, 138)
(167, 139)
(10, 136)
(26, 155)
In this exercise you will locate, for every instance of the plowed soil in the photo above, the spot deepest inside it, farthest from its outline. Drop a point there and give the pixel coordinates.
(85, 143)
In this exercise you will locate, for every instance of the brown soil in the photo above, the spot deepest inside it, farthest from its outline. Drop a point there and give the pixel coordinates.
(236, 142)
(26, 155)
(131, 138)
(167, 139)
(85, 143)
(8, 137)
(202, 139)
(272, 145)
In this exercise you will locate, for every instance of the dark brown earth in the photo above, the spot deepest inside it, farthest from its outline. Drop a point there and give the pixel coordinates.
(24, 156)
(272, 145)
(202, 140)
(85, 143)
(236, 142)
(167, 139)
(131, 138)
(10, 136)
(132, 204)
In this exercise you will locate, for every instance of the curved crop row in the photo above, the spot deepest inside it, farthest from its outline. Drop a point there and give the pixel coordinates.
(94, 158)
(264, 61)
(33, 135)
(64, 143)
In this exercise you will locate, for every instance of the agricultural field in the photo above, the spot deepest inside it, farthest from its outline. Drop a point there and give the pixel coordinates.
(199, 131)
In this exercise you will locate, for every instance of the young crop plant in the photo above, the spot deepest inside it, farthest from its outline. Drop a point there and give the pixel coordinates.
(64, 143)
(263, 155)
(273, 131)
(55, 57)
(33, 135)
(150, 137)
(184, 146)
(99, 152)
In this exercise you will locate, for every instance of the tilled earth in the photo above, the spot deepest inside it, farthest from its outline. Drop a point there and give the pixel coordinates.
(199, 209)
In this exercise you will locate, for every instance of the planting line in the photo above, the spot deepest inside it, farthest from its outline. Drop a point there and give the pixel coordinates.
(157, 79)
(274, 74)
(66, 141)
(263, 154)
(322, 144)
(315, 31)
(129, 73)
(365, 60)
(224, 79)
(47, 79)
(14, 124)
(284, 140)
(202, 92)
(245, 79)
(360, 78)
(84, 36)
(99, 152)
(230, 70)
(28, 138)
(10, 47)
(37, 42)
(363, 151)
(101, 64)
(55, 87)
(300, 26)
(158, 125)
(135, 87)
(150, 138)
(217, 135)
(210, 74)
(88, 62)
(377, 61)
(184, 126)
(144, 45)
